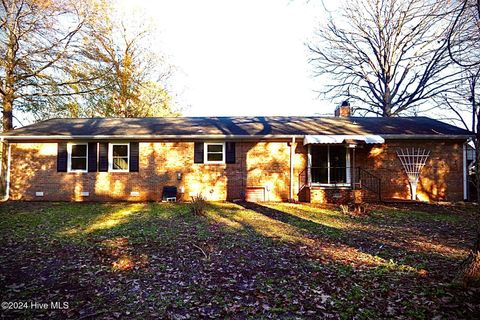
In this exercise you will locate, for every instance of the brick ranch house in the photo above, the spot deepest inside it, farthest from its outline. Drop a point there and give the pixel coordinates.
(313, 159)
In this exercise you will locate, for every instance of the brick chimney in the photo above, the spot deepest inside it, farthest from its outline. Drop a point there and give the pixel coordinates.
(343, 110)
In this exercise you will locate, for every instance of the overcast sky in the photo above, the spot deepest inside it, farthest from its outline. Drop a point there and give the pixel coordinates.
(239, 57)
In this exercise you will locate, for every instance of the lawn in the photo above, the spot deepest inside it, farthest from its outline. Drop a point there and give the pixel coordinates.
(149, 260)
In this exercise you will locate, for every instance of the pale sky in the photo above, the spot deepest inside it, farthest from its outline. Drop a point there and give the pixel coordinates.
(239, 57)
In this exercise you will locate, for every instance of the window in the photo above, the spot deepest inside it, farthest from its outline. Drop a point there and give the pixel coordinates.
(329, 165)
(214, 152)
(77, 157)
(119, 157)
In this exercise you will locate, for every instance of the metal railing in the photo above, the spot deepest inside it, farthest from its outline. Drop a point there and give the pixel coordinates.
(340, 176)
(368, 181)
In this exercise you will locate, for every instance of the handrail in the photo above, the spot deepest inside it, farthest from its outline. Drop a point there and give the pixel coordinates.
(302, 179)
(360, 177)
(367, 180)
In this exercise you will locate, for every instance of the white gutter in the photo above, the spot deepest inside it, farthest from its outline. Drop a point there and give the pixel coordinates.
(163, 137)
(216, 136)
(425, 136)
(292, 157)
(7, 180)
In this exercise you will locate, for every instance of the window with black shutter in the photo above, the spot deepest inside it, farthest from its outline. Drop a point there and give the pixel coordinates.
(77, 157)
(214, 152)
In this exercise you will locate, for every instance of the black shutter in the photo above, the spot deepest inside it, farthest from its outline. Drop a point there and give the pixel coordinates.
(103, 156)
(230, 152)
(62, 157)
(92, 157)
(198, 152)
(134, 155)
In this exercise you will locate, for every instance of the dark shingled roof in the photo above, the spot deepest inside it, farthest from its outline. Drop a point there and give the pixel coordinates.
(251, 126)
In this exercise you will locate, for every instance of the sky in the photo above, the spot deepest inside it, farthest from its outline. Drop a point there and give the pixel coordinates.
(244, 57)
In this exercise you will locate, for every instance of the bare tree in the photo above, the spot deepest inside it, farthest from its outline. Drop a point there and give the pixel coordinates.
(463, 47)
(36, 41)
(392, 56)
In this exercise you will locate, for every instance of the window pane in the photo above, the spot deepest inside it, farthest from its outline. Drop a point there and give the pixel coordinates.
(319, 175)
(79, 150)
(120, 163)
(319, 171)
(215, 148)
(79, 164)
(338, 169)
(338, 156)
(120, 151)
(215, 157)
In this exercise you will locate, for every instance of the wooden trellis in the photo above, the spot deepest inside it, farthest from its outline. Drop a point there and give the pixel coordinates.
(413, 161)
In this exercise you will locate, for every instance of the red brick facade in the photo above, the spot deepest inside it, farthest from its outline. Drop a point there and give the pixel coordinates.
(265, 164)
(257, 164)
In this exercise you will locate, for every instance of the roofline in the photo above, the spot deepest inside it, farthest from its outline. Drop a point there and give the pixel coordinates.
(426, 136)
(141, 137)
(220, 136)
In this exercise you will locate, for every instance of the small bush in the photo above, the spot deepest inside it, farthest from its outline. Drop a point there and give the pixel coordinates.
(355, 209)
(198, 204)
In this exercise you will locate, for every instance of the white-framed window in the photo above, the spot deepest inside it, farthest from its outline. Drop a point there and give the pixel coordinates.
(119, 157)
(329, 165)
(77, 157)
(214, 152)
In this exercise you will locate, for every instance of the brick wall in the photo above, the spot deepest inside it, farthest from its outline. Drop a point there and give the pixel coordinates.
(258, 164)
(33, 169)
(441, 179)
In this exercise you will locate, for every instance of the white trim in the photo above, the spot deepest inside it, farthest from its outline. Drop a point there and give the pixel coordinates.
(340, 138)
(221, 136)
(69, 156)
(205, 152)
(465, 172)
(293, 144)
(7, 187)
(309, 165)
(348, 182)
(110, 156)
(348, 166)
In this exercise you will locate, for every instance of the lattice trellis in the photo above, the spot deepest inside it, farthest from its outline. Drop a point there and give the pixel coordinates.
(413, 161)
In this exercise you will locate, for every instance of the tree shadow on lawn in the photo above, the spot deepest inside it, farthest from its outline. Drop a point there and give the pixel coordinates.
(160, 260)
(388, 245)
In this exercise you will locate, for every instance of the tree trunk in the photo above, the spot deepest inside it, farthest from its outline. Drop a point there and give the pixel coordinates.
(9, 86)
(470, 271)
(477, 161)
(7, 119)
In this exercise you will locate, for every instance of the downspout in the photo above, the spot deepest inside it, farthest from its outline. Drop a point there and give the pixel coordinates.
(7, 178)
(292, 154)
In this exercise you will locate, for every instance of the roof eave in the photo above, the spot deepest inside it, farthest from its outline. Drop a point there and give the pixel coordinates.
(226, 137)
(427, 136)
(151, 137)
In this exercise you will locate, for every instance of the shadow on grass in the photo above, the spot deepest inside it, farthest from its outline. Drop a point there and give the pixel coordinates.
(404, 252)
(251, 260)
